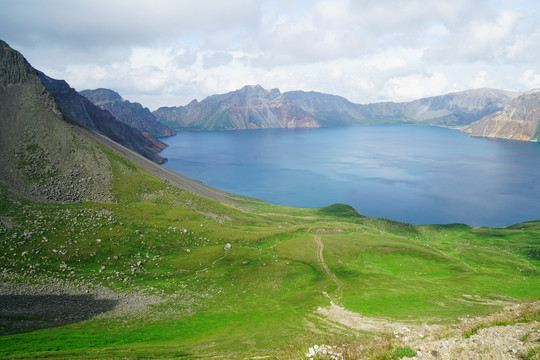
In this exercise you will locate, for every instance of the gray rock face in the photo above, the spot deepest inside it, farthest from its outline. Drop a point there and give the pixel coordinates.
(519, 120)
(14, 68)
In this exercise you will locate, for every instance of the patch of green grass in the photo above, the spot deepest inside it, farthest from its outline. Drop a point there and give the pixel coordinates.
(532, 354)
(474, 330)
(402, 352)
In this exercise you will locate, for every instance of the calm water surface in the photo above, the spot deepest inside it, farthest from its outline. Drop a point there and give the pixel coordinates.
(415, 174)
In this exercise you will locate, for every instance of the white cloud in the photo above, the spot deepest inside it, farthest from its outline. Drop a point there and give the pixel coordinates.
(411, 87)
(531, 79)
(168, 52)
(481, 80)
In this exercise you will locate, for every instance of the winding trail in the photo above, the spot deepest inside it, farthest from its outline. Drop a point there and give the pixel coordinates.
(212, 265)
(322, 264)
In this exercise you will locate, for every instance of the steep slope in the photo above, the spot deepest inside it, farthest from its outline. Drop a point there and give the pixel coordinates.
(127, 112)
(519, 120)
(82, 111)
(255, 107)
(47, 155)
(251, 107)
(41, 155)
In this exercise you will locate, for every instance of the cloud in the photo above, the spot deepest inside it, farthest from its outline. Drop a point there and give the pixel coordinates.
(507, 38)
(169, 52)
(531, 79)
(217, 59)
(416, 86)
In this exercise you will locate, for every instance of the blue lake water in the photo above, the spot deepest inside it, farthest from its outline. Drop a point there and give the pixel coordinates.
(414, 174)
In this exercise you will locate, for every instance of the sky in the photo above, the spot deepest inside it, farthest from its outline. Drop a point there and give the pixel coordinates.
(169, 52)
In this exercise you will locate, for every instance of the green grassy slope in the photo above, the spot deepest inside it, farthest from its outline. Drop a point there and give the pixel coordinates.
(260, 296)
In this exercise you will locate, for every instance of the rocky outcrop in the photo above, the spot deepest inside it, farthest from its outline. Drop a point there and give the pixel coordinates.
(78, 109)
(133, 114)
(519, 120)
(41, 155)
(255, 107)
(251, 107)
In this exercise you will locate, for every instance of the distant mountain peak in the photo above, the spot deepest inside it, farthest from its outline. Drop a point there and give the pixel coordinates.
(14, 68)
(101, 96)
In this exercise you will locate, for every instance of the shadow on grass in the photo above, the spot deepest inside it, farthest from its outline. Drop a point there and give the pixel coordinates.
(21, 313)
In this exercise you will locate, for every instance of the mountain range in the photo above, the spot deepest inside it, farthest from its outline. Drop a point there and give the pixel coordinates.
(253, 107)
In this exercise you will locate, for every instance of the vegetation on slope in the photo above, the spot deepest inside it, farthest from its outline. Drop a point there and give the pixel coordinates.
(199, 297)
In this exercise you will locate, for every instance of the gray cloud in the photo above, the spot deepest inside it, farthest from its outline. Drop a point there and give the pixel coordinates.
(216, 59)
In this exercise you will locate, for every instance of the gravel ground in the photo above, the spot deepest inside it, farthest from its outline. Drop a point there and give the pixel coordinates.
(25, 307)
(498, 342)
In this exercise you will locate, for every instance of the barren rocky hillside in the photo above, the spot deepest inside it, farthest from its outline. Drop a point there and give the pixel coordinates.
(519, 120)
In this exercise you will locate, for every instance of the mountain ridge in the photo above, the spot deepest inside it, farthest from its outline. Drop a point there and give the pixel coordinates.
(253, 107)
(82, 111)
(47, 154)
(131, 113)
(36, 140)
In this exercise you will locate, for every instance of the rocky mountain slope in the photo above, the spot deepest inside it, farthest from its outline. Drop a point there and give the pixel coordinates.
(133, 114)
(41, 155)
(255, 107)
(519, 120)
(251, 107)
(54, 155)
(82, 111)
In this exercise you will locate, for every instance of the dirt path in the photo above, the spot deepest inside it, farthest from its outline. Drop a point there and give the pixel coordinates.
(322, 264)
(212, 265)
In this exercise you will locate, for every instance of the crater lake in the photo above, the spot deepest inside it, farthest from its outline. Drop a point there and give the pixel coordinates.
(413, 174)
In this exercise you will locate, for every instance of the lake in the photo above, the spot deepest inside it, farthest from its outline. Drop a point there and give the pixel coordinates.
(414, 174)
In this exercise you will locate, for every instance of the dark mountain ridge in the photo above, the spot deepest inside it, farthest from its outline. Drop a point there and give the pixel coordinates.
(82, 111)
(133, 114)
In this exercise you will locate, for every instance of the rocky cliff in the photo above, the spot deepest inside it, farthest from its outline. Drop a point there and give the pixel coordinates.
(255, 107)
(519, 120)
(80, 110)
(133, 114)
(41, 155)
(251, 107)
